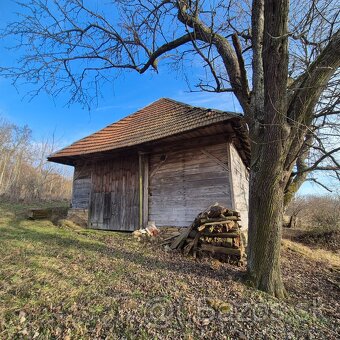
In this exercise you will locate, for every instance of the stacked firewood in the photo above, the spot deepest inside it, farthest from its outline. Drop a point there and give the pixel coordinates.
(215, 231)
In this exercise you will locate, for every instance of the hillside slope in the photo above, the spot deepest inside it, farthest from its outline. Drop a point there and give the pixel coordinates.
(67, 282)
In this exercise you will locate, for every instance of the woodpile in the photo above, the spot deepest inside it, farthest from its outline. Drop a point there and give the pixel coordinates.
(215, 231)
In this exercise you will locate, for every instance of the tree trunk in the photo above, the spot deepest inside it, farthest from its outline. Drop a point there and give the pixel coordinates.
(268, 153)
(266, 211)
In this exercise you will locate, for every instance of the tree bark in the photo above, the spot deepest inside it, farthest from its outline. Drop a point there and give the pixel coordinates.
(265, 226)
(267, 173)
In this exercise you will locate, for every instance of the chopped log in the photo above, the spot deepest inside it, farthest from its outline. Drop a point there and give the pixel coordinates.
(201, 227)
(215, 230)
(204, 220)
(167, 240)
(209, 224)
(195, 243)
(179, 241)
(220, 250)
(232, 213)
(219, 219)
(221, 235)
(188, 247)
(223, 242)
(210, 240)
(224, 221)
(216, 211)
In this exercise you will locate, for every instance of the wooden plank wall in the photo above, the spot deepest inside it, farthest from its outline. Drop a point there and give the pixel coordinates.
(144, 173)
(115, 194)
(81, 187)
(186, 182)
(240, 183)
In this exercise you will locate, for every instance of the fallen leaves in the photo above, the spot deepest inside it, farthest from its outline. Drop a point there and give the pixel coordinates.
(59, 283)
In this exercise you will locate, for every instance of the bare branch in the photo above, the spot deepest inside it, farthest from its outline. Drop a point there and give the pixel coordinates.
(319, 183)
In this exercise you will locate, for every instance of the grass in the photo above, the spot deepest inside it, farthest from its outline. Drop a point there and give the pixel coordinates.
(70, 283)
(49, 270)
(331, 259)
(318, 238)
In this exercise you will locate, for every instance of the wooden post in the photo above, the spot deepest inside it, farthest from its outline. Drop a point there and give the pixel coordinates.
(90, 198)
(146, 189)
(143, 189)
(230, 174)
(140, 158)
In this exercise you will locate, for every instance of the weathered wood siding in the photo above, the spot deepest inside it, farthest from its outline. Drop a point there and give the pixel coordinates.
(184, 183)
(240, 185)
(81, 187)
(114, 198)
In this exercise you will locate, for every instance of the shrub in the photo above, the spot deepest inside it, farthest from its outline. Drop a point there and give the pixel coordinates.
(317, 212)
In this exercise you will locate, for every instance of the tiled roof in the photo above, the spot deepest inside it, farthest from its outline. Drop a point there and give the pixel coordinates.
(162, 118)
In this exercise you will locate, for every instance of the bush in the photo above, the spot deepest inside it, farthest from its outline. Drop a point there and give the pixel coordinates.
(319, 219)
(317, 212)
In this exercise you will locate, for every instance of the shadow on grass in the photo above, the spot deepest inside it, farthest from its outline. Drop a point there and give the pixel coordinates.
(63, 240)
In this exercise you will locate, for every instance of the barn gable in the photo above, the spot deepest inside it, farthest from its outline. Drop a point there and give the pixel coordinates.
(165, 163)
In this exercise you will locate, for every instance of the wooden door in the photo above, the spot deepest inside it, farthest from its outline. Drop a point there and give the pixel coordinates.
(114, 198)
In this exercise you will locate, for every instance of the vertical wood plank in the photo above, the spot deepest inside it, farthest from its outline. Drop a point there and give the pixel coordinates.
(240, 185)
(81, 187)
(145, 190)
(231, 183)
(187, 183)
(115, 197)
(140, 187)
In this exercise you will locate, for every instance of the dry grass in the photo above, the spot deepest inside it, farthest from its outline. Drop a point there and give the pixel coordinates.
(329, 258)
(69, 283)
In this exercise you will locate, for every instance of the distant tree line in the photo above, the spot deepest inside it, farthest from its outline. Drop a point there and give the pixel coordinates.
(25, 173)
(317, 212)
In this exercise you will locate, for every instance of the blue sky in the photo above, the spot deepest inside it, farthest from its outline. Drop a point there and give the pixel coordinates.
(46, 115)
(130, 92)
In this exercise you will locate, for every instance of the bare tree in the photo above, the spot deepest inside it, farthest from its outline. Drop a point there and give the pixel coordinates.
(14, 143)
(24, 171)
(243, 48)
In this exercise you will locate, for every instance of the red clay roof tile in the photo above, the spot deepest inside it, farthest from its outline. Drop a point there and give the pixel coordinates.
(162, 118)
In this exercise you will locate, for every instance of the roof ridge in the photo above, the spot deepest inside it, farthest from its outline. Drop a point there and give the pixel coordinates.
(147, 119)
(237, 114)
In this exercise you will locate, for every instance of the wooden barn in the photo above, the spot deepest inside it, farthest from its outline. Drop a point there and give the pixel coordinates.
(165, 163)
